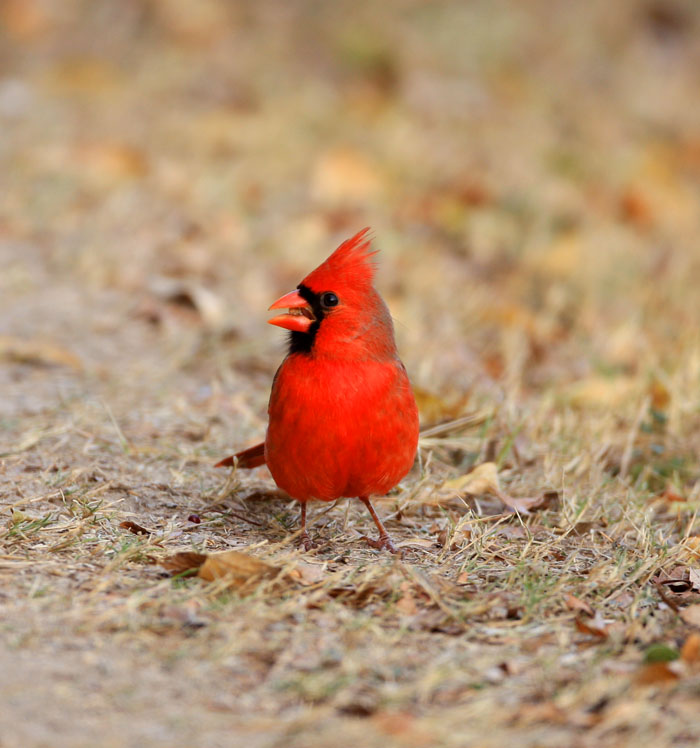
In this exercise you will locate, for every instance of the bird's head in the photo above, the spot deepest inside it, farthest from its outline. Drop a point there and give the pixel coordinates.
(335, 311)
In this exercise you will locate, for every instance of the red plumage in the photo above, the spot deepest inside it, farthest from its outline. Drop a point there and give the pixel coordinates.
(342, 416)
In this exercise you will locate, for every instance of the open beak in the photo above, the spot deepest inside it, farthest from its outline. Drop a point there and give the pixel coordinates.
(299, 318)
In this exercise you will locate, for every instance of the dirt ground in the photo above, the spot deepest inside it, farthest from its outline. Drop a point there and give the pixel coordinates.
(531, 173)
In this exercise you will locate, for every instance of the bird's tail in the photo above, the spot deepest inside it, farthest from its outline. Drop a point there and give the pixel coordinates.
(249, 458)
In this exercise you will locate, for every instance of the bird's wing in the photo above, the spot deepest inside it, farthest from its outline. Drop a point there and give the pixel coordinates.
(249, 458)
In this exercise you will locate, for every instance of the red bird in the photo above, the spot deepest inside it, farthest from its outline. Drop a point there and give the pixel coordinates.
(342, 417)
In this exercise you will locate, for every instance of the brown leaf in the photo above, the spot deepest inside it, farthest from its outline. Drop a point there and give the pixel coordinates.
(406, 604)
(660, 396)
(582, 528)
(693, 545)
(307, 574)
(694, 578)
(483, 479)
(670, 495)
(690, 651)
(136, 529)
(179, 563)
(579, 606)
(37, 353)
(524, 503)
(434, 408)
(209, 306)
(594, 627)
(112, 161)
(656, 673)
(238, 568)
(691, 615)
(681, 580)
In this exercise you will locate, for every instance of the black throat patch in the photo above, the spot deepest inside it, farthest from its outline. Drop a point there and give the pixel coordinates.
(303, 342)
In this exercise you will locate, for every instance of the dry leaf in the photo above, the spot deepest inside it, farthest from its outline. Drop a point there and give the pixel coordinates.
(656, 673)
(681, 580)
(179, 563)
(670, 495)
(690, 651)
(525, 503)
(694, 579)
(406, 604)
(691, 615)
(37, 352)
(307, 574)
(111, 161)
(434, 408)
(693, 545)
(483, 479)
(660, 396)
(238, 568)
(579, 606)
(208, 305)
(136, 529)
(593, 627)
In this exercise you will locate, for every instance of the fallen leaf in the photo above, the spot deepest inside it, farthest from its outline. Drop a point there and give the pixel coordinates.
(694, 579)
(184, 561)
(593, 627)
(656, 673)
(691, 615)
(524, 503)
(37, 353)
(681, 580)
(483, 479)
(578, 605)
(670, 495)
(111, 161)
(660, 396)
(307, 574)
(240, 569)
(434, 408)
(693, 545)
(581, 528)
(136, 529)
(690, 651)
(406, 604)
(209, 306)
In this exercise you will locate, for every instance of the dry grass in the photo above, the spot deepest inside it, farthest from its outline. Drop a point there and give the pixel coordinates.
(534, 189)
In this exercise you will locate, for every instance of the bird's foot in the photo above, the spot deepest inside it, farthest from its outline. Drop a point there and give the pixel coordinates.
(306, 543)
(383, 542)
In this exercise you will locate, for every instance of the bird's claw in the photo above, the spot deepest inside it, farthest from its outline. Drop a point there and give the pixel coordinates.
(383, 542)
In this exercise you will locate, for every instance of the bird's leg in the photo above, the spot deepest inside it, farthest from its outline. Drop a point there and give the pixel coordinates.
(384, 540)
(304, 539)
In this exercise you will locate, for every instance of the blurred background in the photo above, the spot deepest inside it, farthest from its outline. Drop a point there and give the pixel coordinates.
(530, 170)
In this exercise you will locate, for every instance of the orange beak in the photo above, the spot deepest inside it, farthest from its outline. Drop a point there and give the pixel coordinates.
(299, 318)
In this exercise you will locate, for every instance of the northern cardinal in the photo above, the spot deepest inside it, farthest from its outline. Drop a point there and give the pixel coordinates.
(342, 417)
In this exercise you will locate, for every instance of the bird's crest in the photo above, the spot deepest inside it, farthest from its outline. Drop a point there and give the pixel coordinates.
(350, 265)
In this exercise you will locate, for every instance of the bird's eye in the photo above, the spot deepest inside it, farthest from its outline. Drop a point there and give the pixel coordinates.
(329, 299)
